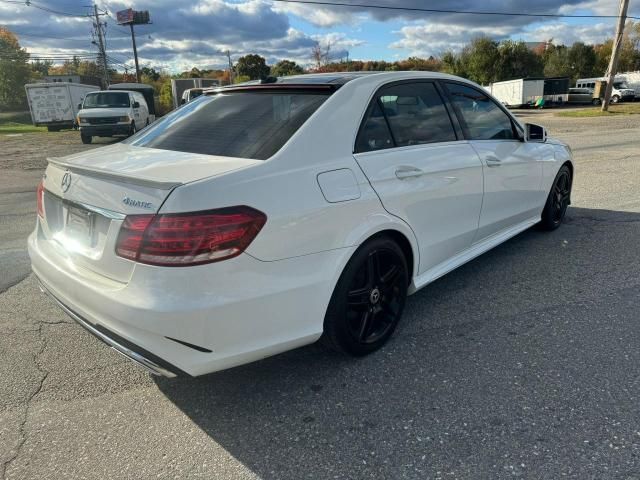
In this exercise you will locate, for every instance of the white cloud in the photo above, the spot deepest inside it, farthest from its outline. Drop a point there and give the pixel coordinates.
(435, 38)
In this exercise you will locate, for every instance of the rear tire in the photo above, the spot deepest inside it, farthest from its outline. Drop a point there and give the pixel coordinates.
(368, 299)
(86, 139)
(596, 101)
(615, 99)
(557, 201)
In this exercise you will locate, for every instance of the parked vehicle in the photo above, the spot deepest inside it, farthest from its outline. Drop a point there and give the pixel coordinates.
(54, 105)
(179, 85)
(517, 93)
(630, 80)
(145, 90)
(582, 96)
(619, 92)
(191, 94)
(110, 113)
(524, 92)
(265, 217)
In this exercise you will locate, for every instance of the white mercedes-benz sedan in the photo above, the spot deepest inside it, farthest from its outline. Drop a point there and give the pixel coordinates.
(263, 217)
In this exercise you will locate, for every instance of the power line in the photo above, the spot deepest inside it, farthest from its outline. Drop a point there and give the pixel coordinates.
(46, 9)
(441, 10)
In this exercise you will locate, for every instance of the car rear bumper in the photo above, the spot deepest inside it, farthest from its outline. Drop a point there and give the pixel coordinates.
(197, 320)
(120, 345)
(105, 130)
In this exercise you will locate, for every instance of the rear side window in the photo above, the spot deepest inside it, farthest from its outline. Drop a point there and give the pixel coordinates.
(414, 113)
(482, 117)
(234, 124)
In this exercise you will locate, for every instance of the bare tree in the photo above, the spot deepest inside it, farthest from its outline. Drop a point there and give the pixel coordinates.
(320, 55)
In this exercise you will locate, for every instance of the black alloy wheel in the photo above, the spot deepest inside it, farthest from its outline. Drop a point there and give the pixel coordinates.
(368, 300)
(558, 200)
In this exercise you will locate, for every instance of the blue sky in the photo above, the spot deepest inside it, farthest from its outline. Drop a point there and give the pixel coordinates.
(198, 32)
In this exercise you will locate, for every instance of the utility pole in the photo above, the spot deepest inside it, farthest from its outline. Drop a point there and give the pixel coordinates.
(230, 68)
(615, 53)
(103, 53)
(135, 53)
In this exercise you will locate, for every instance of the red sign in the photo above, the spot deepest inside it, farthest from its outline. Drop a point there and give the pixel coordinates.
(125, 16)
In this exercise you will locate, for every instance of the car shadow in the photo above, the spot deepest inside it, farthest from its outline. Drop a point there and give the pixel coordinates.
(478, 375)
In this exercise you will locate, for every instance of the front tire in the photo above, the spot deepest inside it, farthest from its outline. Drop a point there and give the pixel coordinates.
(86, 139)
(133, 129)
(615, 99)
(368, 299)
(596, 101)
(557, 201)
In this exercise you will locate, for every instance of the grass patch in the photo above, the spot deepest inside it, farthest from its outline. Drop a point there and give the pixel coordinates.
(17, 122)
(13, 127)
(617, 109)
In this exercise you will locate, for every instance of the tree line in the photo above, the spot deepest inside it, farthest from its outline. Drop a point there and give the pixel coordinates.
(483, 60)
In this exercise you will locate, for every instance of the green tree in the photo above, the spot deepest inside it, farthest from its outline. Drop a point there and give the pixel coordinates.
(556, 62)
(252, 66)
(581, 59)
(150, 73)
(516, 60)
(286, 67)
(14, 71)
(479, 61)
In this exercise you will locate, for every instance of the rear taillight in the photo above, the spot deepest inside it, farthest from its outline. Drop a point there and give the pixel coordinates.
(180, 239)
(40, 198)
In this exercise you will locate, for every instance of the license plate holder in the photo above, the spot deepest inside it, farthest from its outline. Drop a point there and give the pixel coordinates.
(79, 225)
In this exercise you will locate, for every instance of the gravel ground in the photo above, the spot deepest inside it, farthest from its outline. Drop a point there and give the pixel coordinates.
(522, 363)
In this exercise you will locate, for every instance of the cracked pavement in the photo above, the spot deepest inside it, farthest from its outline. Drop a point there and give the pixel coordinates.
(522, 363)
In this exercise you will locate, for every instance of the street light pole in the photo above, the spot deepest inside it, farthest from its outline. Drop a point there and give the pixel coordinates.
(615, 53)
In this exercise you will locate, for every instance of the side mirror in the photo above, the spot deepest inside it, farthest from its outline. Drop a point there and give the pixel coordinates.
(536, 133)
(136, 105)
(79, 106)
(183, 101)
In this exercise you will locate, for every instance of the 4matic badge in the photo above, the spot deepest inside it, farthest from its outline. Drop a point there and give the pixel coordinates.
(137, 203)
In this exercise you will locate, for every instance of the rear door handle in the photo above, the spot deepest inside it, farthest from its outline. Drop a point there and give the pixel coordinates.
(408, 172)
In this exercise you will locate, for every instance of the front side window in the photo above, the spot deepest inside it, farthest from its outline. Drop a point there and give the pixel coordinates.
(234, 124)
(106, 100)
(483, 118)
(403, 115)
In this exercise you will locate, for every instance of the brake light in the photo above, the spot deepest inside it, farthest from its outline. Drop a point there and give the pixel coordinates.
(40, 198)
(181, 239)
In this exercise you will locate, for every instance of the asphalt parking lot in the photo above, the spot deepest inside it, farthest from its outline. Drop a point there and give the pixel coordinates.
(523, 363)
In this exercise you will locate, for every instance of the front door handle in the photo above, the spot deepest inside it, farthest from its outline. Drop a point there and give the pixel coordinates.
(408, 172)
(493, 161)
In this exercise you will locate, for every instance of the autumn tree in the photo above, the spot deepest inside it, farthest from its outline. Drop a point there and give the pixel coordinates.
(14, 71)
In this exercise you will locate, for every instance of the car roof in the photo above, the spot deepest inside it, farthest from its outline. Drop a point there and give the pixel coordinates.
(333, 80)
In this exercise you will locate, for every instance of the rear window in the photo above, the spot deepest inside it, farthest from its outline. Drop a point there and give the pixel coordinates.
(234, 124)
(106, 100)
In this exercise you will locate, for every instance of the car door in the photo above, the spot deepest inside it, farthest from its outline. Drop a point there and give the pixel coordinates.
(412, 152)
(512, 167)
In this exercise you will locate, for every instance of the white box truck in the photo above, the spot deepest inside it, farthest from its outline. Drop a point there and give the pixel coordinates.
(519, 92)
(55, 105)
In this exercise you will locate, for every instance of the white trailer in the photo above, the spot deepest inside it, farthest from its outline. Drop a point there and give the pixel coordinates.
(55, 105)
(519, 92)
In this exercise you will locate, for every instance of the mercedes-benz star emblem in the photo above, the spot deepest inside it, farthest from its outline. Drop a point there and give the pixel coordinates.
(375, 296)
(66, 182)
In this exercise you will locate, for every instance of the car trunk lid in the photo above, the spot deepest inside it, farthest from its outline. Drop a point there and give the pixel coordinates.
(88, 195)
